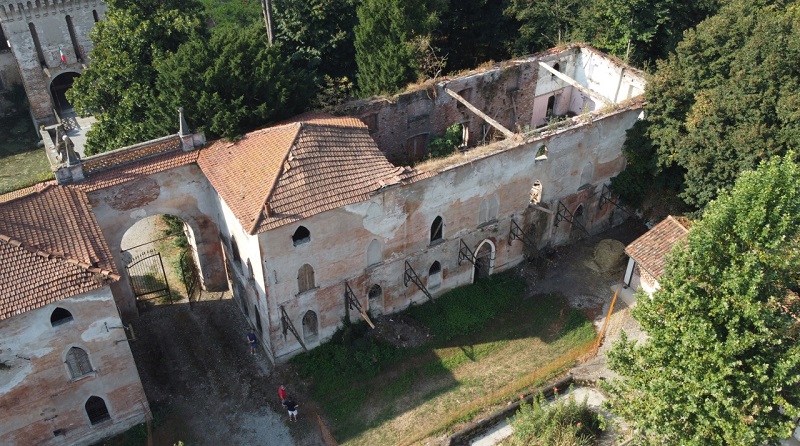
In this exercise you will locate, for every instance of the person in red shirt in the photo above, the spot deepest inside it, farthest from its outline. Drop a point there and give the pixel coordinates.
(282, 393)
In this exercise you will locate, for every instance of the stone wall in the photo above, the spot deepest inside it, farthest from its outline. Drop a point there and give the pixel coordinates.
(47, 21)
(579, 161)
(40, 401)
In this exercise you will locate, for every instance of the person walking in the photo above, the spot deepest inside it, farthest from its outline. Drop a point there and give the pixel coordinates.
(291, 406)
(282, 393)
(252, 340)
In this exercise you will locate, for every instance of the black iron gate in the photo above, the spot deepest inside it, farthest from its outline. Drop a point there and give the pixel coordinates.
(147, 277)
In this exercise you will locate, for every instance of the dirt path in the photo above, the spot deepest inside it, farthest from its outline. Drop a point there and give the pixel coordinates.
(203, 385)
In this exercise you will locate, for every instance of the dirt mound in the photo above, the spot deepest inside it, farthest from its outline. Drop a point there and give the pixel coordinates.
(609, 254)
(400, 330)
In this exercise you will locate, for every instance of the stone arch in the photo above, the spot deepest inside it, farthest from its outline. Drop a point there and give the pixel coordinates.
(483, 261)
(301, 235)
(120, 208)
(58, 88)
(310, 327)
(375, 292)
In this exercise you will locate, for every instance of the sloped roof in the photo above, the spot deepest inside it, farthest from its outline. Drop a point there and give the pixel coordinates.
(51, 248)
(282, 174)
(130, 171)
(650, 250)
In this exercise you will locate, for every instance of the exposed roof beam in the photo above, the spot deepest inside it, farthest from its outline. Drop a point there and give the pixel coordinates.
(575, 84)
(484, 116)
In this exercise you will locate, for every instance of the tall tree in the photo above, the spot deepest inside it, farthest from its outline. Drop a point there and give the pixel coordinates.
(543, 23)
(729, 96)
(721, 364)
(319, 32)
(473, 32)
(118, 86)
(640, 31)
(231, 83)
(385, 55)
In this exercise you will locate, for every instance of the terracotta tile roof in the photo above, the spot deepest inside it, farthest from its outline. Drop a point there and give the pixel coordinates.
(13, 195)
(286, 173)
(50, 248)
(244, 172)
(650, 250)
(113, 176)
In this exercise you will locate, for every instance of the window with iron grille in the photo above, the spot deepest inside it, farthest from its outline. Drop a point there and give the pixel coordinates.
(96, 410)
(78, 362)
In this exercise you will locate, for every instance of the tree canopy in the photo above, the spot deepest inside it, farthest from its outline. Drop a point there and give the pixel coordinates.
(728, 97)
(151, 57)
(385, 55)
(722, 361)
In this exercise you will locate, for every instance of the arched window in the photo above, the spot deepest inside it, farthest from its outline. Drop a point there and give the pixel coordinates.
(541, 153)
(301, 235)
(305, 278)
(96, 410)
(78, 362)
(375, 292)
(436, 229)
(60, 316)
(310, 326)
(557, 67)
(374, 254)
(536, 192)
(587, 174)
(494, 208)
(435, 275)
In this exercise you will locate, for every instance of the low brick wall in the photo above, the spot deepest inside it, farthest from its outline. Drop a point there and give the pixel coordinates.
(103, 161)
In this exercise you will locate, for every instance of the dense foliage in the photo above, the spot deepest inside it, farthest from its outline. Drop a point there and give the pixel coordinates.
(722, 361)
(386, 56)
(728, 97)
(562, 422)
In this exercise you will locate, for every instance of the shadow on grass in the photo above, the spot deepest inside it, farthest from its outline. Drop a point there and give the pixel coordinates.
(363, 382)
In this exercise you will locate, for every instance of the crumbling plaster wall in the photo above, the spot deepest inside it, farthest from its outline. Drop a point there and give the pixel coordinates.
(38, 396)
(400, 219)
(183, 192)
(49, 19)
(246, 283)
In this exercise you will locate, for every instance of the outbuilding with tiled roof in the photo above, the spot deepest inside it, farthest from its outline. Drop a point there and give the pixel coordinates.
(648, 254)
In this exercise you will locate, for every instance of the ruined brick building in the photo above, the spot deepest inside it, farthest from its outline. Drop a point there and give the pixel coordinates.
(44, 45)
(308, 222)
(306, 219)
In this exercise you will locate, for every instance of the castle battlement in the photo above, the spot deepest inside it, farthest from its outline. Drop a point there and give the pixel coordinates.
(10, 12)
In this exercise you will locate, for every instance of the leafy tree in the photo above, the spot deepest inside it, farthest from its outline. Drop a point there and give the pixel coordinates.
(543, 23)
(231, 83)
(118, 86)
(722, 361)
(729, 96)
(473, 32)
(319, 32)
(385, 56)
(639, 31)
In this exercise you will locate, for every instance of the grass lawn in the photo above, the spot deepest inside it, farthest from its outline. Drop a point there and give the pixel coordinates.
(21, 162)
(490, 343)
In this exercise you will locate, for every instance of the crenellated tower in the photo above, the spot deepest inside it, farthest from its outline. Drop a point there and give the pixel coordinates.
(49, 42)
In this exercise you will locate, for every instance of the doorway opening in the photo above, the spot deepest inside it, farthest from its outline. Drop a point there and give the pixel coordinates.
(58, 89)
(484, 261)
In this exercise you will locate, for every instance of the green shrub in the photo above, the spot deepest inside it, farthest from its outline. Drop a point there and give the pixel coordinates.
(446, 144)
(563, 422)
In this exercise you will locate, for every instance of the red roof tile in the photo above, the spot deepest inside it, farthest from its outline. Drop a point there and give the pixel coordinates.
(286, 173)
(113, 176)
(650, 250)
(50, 248)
